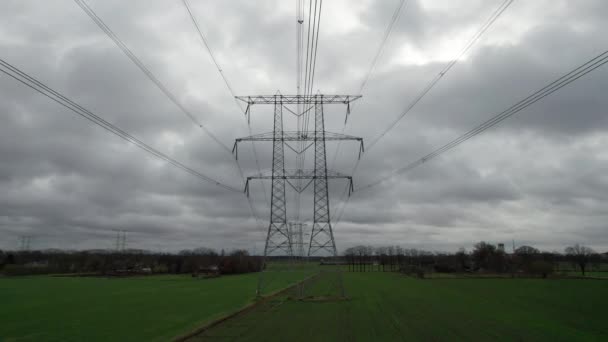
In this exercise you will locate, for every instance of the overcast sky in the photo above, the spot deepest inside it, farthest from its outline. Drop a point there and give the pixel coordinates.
(539, 178)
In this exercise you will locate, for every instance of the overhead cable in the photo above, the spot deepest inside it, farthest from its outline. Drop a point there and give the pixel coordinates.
(547, 90)
(486, 25)
(372, 67)
(380, 50)
(493, 17)
(125, 49)
(230, 89)
(38, 86)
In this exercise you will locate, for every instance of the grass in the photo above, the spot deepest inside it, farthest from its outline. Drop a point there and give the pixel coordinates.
(382, 307)
(155, 308)
(391, 307)
(592, 274)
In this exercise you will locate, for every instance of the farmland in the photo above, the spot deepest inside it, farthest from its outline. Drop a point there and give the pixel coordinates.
(153, 308)
(388, 306)
(381, 306)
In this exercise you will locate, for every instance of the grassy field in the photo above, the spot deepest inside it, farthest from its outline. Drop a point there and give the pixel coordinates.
(382, 307)
(391, 307)
(588, 274)
(154, 308)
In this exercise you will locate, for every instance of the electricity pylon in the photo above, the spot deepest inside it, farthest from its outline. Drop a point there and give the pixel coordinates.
(26, 241)
(279, 237)
(296, 230)
(121, 240)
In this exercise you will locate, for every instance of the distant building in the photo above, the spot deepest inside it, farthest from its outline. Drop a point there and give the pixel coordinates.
(37, 264)
(501, 247)
(207, 271)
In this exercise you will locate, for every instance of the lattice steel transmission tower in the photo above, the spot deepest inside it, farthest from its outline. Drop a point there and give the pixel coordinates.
(121, 240)
(25, 242)
(279, 237)
(296, 230)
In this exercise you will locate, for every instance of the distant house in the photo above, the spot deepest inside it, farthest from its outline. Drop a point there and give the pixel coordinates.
(207, 271)
(132, 270)
(36, 264)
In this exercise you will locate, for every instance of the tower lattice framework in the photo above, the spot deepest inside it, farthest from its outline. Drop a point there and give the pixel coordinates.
(278, 237)
(322, 235)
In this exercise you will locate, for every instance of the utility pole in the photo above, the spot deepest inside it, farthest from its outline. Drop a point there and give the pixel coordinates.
(278, 238)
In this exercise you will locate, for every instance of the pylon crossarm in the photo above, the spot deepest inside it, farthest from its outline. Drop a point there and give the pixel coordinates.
(347, 112)
(291, 148)
(307, 110)
(307, 147)
(298, 99)
(302, 150)
(291, 111)
(235, 149)
(299, 188)
(301, 174)
(307, 184)
(299, 136)
(361, 149)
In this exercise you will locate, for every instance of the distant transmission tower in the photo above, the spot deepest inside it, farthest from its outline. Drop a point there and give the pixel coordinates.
(25, 241)
(279, 238)
(124, 240)
(121, 240)
(296, 231)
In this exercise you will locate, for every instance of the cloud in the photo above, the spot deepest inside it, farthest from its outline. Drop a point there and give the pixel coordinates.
(538, 178)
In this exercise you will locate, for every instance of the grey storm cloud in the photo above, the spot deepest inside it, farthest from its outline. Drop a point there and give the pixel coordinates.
(538, 178)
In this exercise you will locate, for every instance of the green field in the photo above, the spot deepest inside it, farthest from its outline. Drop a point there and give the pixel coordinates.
(588, 274)
(154, 308)
(381, 307)
(391, 307)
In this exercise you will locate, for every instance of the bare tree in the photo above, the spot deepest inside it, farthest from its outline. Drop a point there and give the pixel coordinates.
(525, 256)
(526, 250)
(462, 258)
(580, 255)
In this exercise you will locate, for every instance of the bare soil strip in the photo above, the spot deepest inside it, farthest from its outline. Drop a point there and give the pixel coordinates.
(263, 300)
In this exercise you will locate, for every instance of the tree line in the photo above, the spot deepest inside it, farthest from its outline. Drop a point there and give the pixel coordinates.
(195, 261)
(484, 258)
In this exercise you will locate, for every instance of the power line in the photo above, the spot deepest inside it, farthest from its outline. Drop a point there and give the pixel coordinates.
(495, 15)
(125, 49)
(316, 49)
(38, 86)
(206, 45)
(547, 90)
(372, 67)
(230, 89)
(299, 62)
(486, 25)
(84, 6)
(309, 72)
(387, 33)
(308, 56)
(311, 62)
